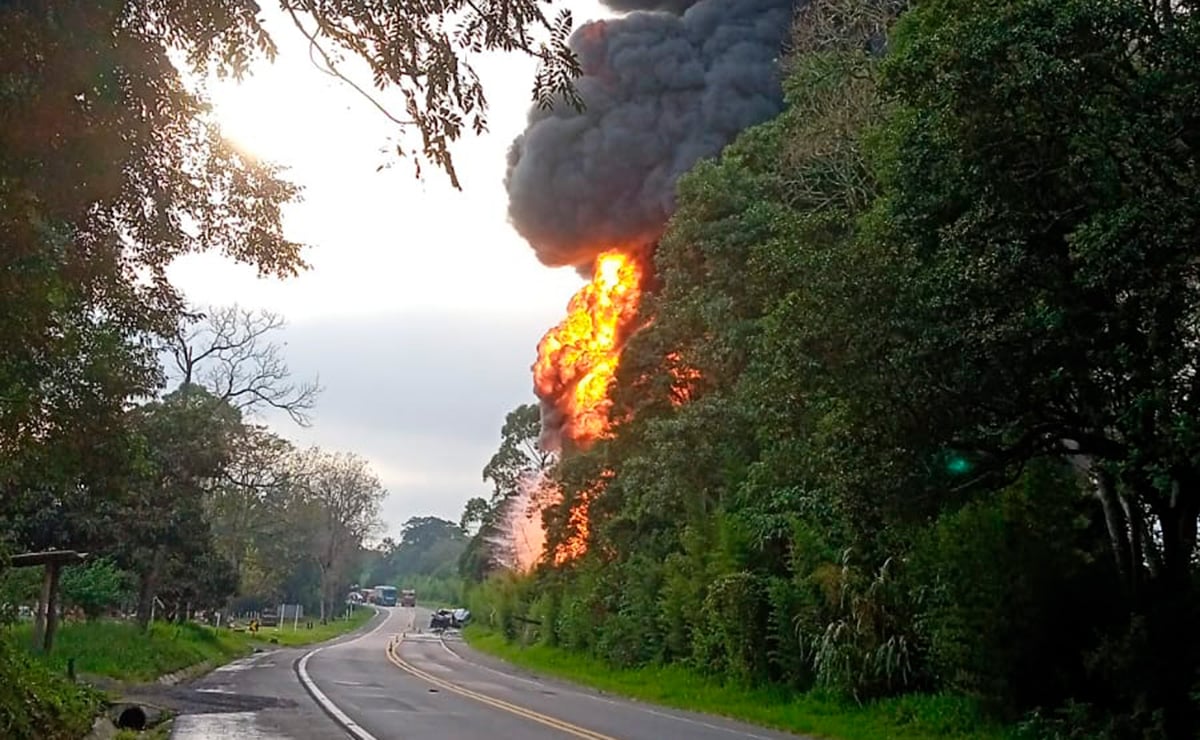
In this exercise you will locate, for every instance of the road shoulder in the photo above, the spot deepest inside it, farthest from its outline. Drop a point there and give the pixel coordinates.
(461, 650)
(257, 698)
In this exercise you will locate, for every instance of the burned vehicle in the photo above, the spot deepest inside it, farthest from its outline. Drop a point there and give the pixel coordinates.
(444, 619)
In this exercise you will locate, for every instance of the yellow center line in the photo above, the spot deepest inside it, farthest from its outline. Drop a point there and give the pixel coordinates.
(491, 701)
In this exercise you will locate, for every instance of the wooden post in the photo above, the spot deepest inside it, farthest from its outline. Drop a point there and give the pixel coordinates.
(39, 617)
(51, 581)
(45, 620)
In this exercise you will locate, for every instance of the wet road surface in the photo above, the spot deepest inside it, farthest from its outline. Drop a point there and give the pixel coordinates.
(396, 681)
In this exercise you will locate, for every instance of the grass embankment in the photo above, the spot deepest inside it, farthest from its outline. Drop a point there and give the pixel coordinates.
(37, 702)
(287, 636)
(915, 717)
(120, 650)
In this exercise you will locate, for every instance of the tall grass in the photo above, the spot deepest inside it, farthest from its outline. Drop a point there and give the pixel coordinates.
(122, 651)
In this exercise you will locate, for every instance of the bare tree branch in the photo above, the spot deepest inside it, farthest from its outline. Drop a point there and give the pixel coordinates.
(229, 352)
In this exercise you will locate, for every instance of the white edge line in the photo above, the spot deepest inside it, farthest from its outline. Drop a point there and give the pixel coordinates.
(324, 701)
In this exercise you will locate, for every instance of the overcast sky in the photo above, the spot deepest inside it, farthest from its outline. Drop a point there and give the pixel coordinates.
(423, 308)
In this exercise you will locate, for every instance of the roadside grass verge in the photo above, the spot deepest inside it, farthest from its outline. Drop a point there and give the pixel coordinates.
(121, 651)
(288, 636)
(912, 717)
(38, 702)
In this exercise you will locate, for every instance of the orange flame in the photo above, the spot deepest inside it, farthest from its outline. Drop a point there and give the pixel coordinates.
(578, 358)
(683, 379)
(577, 541)
(578, 530)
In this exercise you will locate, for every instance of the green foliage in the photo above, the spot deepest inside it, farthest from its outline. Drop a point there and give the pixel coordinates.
(129, 174)
(187, 441)
(631, 633)
(429, 548)
(96, 587)
(518, 463)
(18, 587)
(38, 702)
(730, 637)
(545, 610)
(432, 589)
(1003, 582)
(1039, 230)
(866, 649)
(940, 435)
(124, 651)
(583, 608)
(499, 603)
(1082, 721)
(912, 717)
(518, 453)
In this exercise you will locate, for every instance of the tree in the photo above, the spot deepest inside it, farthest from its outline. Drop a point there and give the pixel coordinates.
(1037, 231)
(247, 505)
(474, 514)
(226, 351)
(408, 48)
(518, 462)
(519, 452)
(188, 438)
(205, 579)
(112, 169)
(423, 532)
(429, 547)
(95, 587)
(340, 505)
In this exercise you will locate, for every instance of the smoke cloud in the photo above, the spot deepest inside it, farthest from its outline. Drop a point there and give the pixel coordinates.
(662, 90)
(669, 6)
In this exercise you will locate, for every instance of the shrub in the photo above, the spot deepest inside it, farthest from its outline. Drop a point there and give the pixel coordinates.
(38, 704)
(732, 635)
(1004, 584)
(96, 587)
(544, 610)
(866, 649)
(633, 634)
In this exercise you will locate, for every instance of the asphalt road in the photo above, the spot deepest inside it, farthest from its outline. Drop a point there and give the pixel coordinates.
(397, 681)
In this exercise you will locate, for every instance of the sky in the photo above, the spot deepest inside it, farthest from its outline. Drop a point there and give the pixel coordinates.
(423, 308)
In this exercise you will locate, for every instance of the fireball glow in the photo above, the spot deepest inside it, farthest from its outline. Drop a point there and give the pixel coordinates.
(665, 85)
(578, 358)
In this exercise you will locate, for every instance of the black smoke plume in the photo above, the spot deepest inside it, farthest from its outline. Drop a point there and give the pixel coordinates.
(662, 90)
(669, 6)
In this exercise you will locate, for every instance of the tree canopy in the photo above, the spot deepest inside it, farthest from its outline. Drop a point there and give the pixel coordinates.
(942, 315)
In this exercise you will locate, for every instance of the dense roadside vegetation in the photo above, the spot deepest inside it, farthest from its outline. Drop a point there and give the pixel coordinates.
(826, 714)
(913, 412)
(39, 702)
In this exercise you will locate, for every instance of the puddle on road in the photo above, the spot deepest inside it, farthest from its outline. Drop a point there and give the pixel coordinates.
(232, 726)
